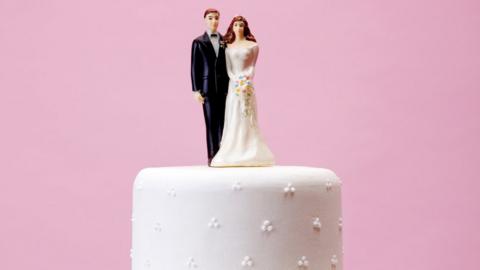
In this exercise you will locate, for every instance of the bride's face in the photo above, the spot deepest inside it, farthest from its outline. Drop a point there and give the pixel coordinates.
(238, 28)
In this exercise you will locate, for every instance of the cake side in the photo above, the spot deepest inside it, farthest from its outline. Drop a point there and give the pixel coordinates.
(281, 217)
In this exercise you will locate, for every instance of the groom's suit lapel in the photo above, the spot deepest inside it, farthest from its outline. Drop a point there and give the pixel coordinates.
(221, 49)
(206, 40)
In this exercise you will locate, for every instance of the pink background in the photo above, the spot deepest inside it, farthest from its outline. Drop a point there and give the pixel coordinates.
(385, 93)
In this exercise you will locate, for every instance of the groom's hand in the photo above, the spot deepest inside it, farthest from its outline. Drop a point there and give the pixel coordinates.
(198, 97)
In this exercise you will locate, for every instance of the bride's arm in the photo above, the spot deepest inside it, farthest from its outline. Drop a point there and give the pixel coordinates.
(229, 66)
(251, 70)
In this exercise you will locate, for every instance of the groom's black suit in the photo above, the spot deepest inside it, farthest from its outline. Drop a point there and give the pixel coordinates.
(210, 78)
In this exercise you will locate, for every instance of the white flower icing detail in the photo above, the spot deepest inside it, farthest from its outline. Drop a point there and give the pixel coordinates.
(172, 192)
(340, 224)
(237, 186)
(328, 185)
(131, 253)
(289, 189)
(267, 226)
(132, 219)
(317, 225)
(334, 261)
(303, 262)
(157, 227)
(214, 223)
(191, 263)
(247, 261)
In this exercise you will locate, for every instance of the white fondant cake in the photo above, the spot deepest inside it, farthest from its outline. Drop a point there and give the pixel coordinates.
(271, 218)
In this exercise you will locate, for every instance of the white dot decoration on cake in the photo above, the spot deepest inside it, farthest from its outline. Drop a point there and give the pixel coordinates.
(132, 218)
(191, 263)
(214, 223)
(237, 186)
(317, 225)
(302, 263)
(172, 192)
(289, 190)
(247, 261)
(131, 253)
(334, 261)
(157, 227)
(267, 226)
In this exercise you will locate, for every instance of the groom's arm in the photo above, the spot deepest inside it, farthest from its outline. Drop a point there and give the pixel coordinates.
(196, 72)
(196, 67)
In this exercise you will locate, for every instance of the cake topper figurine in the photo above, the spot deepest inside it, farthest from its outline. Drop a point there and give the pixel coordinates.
(222, 71)
(210, 79)
(242, 143)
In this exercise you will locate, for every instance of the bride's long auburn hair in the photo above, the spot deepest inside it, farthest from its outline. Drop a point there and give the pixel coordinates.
(230, 35)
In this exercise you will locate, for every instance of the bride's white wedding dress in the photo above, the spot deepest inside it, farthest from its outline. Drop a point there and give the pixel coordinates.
(242, 144)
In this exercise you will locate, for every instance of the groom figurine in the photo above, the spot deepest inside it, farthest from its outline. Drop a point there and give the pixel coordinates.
(210, 79)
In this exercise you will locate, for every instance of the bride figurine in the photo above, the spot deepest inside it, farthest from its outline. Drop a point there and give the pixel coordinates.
(242, 143)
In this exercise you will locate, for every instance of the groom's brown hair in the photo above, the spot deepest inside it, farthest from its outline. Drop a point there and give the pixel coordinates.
(210, 10)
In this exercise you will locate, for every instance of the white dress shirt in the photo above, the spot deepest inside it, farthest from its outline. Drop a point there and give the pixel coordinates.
(215, 41)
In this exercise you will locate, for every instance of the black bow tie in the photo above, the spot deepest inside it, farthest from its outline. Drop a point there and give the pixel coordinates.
(214, 35)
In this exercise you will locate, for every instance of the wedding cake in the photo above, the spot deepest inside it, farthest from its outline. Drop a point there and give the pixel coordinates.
(271, 218)
(241, 211)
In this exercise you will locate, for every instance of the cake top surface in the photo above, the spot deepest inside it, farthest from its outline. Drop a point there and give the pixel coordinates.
(258, 175)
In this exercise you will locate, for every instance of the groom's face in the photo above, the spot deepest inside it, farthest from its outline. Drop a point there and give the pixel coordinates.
(212, 20)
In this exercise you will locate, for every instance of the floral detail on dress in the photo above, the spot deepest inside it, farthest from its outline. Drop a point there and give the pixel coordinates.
(247, 261)
(244, 90)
